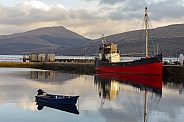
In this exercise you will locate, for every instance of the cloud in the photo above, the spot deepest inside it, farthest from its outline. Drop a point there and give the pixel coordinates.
(30, 15)
(90, 18)
(167, 9)
(129, 11)
(159, 9)
(31, 12)
(111, 2)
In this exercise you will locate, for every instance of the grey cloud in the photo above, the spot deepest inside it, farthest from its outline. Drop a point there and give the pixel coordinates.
(167, 9)
(112, 2)
(107, 13)
(82, 14)
(19, 16)
(54, 14)
(109, 1)
(124, 14)
(130, 9)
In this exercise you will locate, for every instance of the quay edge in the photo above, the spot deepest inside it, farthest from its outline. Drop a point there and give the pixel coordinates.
(83, 68)
(176, 70)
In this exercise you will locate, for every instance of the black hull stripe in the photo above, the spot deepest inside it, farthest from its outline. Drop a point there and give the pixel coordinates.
(157, 58)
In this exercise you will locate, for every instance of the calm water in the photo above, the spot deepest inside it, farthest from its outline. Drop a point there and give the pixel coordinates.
(103, 98)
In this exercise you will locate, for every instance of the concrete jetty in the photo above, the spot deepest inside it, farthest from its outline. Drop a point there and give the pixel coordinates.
(173, 70)
(83, 68)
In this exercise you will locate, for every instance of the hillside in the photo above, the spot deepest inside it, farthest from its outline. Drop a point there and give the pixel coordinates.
(42, 40)
(168, 39)
(61, 41)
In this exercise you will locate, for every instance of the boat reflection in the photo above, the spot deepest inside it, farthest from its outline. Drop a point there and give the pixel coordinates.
(108, 83)
(71, 108)
(151, 87)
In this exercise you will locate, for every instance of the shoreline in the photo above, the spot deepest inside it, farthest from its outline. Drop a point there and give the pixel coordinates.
(83, 68)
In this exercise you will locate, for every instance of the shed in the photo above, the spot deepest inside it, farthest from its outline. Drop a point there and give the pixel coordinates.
(51, 57)
(34, 57)
(41, 57)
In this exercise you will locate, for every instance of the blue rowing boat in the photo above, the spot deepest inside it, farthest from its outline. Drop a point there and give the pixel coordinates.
(58, 99)
(70, 108)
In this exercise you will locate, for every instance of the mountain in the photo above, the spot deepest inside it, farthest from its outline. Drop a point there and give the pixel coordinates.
(169, 40)
(42, 40)
(61, 41)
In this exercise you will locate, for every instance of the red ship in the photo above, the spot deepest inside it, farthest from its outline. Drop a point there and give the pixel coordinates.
(109, 60)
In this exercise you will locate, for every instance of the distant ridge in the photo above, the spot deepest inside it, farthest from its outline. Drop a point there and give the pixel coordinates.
(62, 41)
(41, 40)
(170, 41)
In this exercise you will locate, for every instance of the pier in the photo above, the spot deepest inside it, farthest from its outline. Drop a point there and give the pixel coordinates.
(79, 67)
(173, 69)
(82, 68)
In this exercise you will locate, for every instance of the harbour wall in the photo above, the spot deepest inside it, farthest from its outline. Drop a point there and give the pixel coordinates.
(177, 70)
(82, 68)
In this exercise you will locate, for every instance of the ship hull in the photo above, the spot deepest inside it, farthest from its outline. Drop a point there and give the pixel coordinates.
(147, 66)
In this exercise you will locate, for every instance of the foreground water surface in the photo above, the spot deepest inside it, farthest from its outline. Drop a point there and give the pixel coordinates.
(103, 98)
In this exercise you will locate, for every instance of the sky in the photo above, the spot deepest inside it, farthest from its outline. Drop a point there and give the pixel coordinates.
(89, 18)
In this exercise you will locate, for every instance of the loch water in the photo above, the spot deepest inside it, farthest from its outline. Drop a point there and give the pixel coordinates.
(103, 98)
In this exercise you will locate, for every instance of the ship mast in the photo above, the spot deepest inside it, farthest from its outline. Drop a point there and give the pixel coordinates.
(145, 105)
(146, 23)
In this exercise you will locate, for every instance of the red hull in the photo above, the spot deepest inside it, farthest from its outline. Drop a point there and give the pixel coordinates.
(152, 81)
(154, 68)
(109, 62)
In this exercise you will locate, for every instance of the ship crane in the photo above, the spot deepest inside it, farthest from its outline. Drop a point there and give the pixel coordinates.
(103, 40)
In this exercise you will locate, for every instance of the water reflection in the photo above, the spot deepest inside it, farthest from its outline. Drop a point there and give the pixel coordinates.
(42, 74)
(109, 86)
(174, 82)
(63, 107)
(103, 98)
(52, 76)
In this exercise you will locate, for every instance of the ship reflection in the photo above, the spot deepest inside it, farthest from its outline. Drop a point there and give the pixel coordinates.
(108, 83)
(108, 87)
(150, 86)
(71, 108)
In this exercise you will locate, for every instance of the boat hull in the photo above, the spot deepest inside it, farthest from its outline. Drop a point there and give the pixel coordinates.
(147, 66)
(58, 99)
